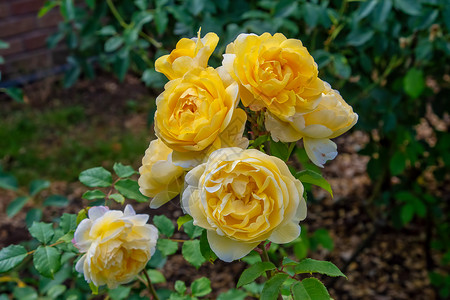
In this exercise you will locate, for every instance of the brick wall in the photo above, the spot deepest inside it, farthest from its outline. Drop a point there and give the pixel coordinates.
(26, 34)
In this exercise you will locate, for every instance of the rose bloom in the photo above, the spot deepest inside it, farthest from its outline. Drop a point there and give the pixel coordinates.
(197, 114)
(332, 117)
(160, 178)
(274, 72)
(243, 197)
(117, 245)
(188, 54)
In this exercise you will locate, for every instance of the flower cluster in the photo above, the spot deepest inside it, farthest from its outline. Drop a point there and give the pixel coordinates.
(240, 196)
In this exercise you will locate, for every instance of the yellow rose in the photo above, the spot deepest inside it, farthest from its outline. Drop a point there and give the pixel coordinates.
(160, 178)
(188, 54)
(332, 117)
(117, 245)
(274, 72)
(243, 197)
(197, 114)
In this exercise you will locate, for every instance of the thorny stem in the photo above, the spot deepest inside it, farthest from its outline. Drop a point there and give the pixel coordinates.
(150, 286)
(122, 23)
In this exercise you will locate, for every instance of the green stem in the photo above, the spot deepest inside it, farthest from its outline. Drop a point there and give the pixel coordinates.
(122, 23)
(265, 258)
(150, 286)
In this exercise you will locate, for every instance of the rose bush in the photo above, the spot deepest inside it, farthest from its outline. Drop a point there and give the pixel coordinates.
(243, 197)
(117, 245)
(275, 73)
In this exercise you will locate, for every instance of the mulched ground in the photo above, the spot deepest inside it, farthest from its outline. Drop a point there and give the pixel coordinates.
(392, 266)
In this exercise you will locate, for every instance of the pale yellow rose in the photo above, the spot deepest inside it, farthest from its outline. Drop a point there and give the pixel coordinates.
(116, 245)
(332, 117)
(188, 54)
(197, 114)
(243, 197)
(274, 73)
(160, 178)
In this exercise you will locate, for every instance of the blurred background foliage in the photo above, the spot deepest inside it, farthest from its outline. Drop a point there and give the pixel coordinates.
(388, 58)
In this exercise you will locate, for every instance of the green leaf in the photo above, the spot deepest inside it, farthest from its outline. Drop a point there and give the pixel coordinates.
(191, 251)
(232, 294)
(121, 65)
(253, 272)
(56, 200)
(117, 197)
(71, 75)
(82, 214)
(183, 219)
(96, 177)
(123, 171)
(412, 8)
(93, 194)
(25, 293)
(33, 215)
(94, 288)
(56, 290)
(167, 247)
(67, 238)
(154, 79)
(280, 150)
(164, 225)
(156, 276)
(407, 213)
(130, 189)
(308, 176)
(90, 3)
(201, 287)
(38, 185)
(342, 68)
(11, 256)
(107, 30)
(397, 164)
(15, 93)
(272, 287)
(48, 5)
(310, 289)
(8, 182)
(41, 231)
(191, 230)
(68, 9)
(414, 83)
(4, 45)
(47, 260)
(180, 287)
(309, 265)
(120, 293)
(16, 205)
(68, 222)
(207, 253)
(161, 20)
(322, 236)
(113, 43)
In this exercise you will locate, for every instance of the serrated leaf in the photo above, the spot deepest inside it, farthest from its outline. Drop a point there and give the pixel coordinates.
(167, 247)
(33, 215)
(130, 189)
(156, 276)
(232, 294)
(56, 200)
(310, 289)
(38, 185)
(201, 287)
(25, 293)
(191, 230)
(8, 182)
(120, 293)
(117, 197)
(207, 253)
(47, 260)
(56, 290)
(309, 265)
(93, 194)
(96, 177)
(182, 220)
(16, 205)
(272, 287)
(123, 171)
(309, 176)
(180, 287)
(68, 222)
(254, 271)
(11, 256)
(280, 150)
(164, 225)
(41, 231)
(191, 251)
